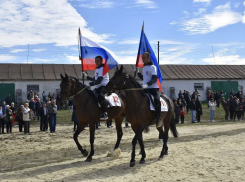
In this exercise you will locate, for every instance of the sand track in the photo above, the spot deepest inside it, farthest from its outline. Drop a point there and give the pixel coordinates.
(201, 153)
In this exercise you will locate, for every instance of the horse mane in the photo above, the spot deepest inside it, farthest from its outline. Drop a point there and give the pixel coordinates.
(77, 81)
(136, 84)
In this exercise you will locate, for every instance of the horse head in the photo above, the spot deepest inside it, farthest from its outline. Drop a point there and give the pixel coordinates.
(66, 88)
(116, 82)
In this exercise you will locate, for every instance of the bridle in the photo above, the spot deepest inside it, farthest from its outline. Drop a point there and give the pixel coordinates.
(73, 90)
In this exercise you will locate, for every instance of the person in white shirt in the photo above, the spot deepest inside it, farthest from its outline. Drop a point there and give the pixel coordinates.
(150, 85)
(99, 81)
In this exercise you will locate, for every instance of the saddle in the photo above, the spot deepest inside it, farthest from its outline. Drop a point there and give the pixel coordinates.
(164, 106)
(112, 100)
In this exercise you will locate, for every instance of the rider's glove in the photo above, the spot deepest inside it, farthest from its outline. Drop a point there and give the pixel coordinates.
(144, 86)
(85, 75)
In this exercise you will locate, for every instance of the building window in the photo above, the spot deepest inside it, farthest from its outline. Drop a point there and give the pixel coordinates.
(198, 86)
(34, 88)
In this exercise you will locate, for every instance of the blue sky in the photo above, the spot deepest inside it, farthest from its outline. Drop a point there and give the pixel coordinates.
(188, 30)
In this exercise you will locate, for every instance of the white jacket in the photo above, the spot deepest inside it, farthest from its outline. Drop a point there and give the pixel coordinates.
(26, 114)
(212, 105)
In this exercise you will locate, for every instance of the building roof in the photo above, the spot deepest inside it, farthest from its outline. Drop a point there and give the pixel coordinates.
(169, 72)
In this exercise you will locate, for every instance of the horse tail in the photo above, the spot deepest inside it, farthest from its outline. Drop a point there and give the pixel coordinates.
(173, 128)
(171, 112)
(147, 129)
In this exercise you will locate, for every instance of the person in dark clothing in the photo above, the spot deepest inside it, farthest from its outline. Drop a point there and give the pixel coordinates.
(38, 106)
(58, 102)
(1, 121)
(176, 112)
(73, 117)
(180, 94)
(109, 123)
(9, 122)
(193, 110)
(9, 100)
(43, 113)
(30, 95)
(217, 98)
(183, 102)
(187, 100)
(32, 105)
(235, 107)
(243, 104)
(225, 105)
(239, 95)
(240, 110)
(198, 110)
(231, 108)
(20, 118)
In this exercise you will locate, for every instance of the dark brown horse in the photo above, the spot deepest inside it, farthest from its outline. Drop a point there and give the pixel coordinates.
(88, 111)
(138, 111)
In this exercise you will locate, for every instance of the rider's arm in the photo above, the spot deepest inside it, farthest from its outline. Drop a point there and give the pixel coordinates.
(96, 82)
(153, 80)
(90, 78)
(140, 76)
(153, 76)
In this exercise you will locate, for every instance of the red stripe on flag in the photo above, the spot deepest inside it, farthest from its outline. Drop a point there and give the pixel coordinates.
(139, 61)
(89, 64)
(159, 84)
(106, 69)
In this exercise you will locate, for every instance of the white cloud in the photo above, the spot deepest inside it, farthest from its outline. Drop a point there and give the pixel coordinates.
(225, 60)
(220, 17)
(4, 57)
(40, 21)
(236, 5)
(38, 50)
(136, 41)
(130, 41)
(200, 11)
(95, 4)
(18, 50)
(145, 4)
(73, 60)
(243, 19)
(173, 23)
(244, 3)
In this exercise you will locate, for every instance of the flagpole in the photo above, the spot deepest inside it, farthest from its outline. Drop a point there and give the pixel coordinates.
(139, 44)
(80, 51)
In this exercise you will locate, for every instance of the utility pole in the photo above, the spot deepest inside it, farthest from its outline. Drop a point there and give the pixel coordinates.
(158, 51)
(28, 54)
(213, 54)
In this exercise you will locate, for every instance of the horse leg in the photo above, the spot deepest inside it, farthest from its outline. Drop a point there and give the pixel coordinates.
(92, 131)
(78, 131)
(118, 122)
(165, 138)
(142, 149)
(134, 142)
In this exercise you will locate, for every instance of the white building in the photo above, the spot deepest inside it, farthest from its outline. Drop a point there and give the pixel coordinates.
(19, 79)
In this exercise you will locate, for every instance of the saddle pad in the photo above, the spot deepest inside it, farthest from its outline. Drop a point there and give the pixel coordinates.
(164, 106)
(113, 101)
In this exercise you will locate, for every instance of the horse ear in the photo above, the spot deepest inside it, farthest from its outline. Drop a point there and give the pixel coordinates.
(121, 68)
(66, 76)
(61, 76)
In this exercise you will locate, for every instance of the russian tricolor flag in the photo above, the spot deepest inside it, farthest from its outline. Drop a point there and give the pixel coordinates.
(89, 50)
(144, 46)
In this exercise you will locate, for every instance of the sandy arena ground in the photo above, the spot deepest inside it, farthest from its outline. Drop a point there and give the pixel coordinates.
(201, 153)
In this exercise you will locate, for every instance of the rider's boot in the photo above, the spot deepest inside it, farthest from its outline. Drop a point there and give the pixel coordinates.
(104, 116)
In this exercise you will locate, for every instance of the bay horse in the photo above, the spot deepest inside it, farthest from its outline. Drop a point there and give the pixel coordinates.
(88, 111)
(138, 112)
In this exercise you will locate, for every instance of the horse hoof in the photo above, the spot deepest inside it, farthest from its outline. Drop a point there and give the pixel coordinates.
(142, 161)
(132, 164)
(88, 160)
(85, 154)
(161, 157)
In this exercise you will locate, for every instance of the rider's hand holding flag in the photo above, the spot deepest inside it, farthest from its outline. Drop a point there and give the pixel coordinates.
(145, 86)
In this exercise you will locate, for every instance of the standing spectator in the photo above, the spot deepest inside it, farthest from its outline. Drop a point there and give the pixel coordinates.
(217, 98)
(222, 94)
(59, 107)
(239, 95)
(13, 109)
(208, 96)
(225, 105)
(183, 102)
(38, 105)
(235, 108)
(126, 122)
(43, 112)
(9, 100)
(232, 92)
(193, 109)
(187, 99)
(231, 107)
(198, 110)
(9, 121)
(20, 118)
(182, 113)
(180, 94)
(52, 111)
(4, 107)
(49, 96)
(176, 112)
(30, 95)
(32, 104)
(1, 121)
(44, 96)
(109, 123)
(240, 110)
(212, 106)
(243, 104)
(70, 105)
(26, 118)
